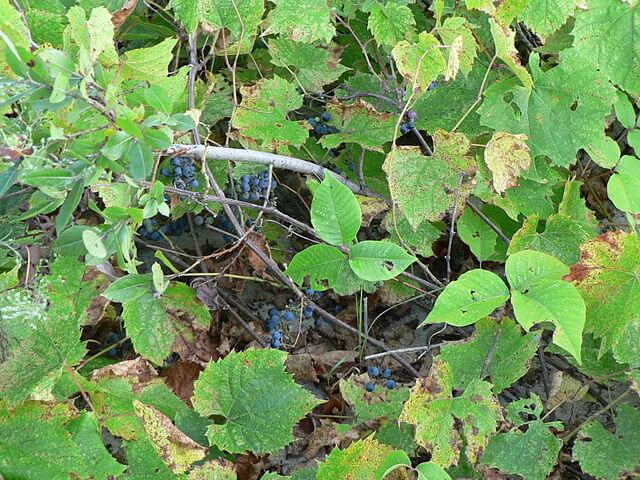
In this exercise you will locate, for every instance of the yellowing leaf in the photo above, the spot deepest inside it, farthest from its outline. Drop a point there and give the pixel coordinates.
(151, 63)
(507, 155)
(457, 36)
(504, 38)
(420, 63)
(302, 20)
(455, 52)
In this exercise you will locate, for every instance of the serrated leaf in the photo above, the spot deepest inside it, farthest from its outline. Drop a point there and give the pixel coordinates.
(455, 28)
(497, 349)
(546, 16)
(362, 459)
(506, 155)
(560, 116)
(391, 23)
(313, 67)
(474, 295)
(504, 38)
(382, 403)
(425, 187)
(607, 278)
(433, 410)
(302, 20)
(623, 187)
(504, 12)
(420, 63)
(359, 123)
(418, 242)
(539, 295)
(262, 114)
(376, 261)
(531, 455)
(607, 455)
(335, 212)
(219, 469)
(240, 388)
(240, 17)
(151, 63)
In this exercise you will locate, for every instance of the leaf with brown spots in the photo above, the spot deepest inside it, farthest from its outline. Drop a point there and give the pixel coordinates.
(507, 155)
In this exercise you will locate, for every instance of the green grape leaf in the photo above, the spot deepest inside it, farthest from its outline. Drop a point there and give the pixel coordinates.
(475, 232)
(46, 27)
(531, 455)
(433, 410)
(302, 20)
(262, 114)
(504, 12)
(335, 212)
(151, 63)
(546, 16)
(144, 462)
(561, 238)
(359, 123)
(474, 295)
(381, 403)
(240, 17)
(94, 37)
(610, 455)
(391, 23)
(540, 295)
(606, 39)
(420, 63)
(376, 261)
(623, 188)
(504, 38)
(154, 323)
(219, 469)
(364, 458)
(452, 28)
(41, 340)
(189, 12)
(562, 114)
(176, 449)
(418, 242)
(506, 155)
(607, 279)
(497, 349)
(425, 187)
(313, 67)
(258, 399)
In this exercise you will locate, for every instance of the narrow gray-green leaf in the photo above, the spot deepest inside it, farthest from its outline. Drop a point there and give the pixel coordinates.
(69, 205)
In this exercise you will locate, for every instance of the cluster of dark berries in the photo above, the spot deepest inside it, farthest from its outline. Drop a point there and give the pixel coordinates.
(152, 230)
(222, 223)
(274, 322)
(320, 124)
(122, 350)
(385, 374)
(409, 124)
(252, 188)
(183, 171)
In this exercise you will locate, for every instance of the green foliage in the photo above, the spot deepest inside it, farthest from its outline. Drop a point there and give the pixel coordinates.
(257, 420)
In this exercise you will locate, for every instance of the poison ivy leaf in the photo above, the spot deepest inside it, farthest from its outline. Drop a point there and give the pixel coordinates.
(362, 459)
(377, 261)
(425, 187)
(262, 114)
(375, 405)
(531, 455)
(497, 350)
(453, 28)
(607, 278)
(625, 112)
(149, 64)
(561, 238)
(607, 455)
(313, 67)
(539, 295)
(623, 188)
(302, 20)
(560, 116)
(506, 155)
(391, 23)
(546, 16)
(241, 388)
(418, 242)
(176, 449)
(504, 38)
(474, 295)
(155, 322)
(605, 39)
(420, 63)
(335, 212)
(433, 410)
(359, 123)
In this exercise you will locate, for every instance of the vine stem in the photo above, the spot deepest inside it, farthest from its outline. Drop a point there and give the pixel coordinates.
(615, 401)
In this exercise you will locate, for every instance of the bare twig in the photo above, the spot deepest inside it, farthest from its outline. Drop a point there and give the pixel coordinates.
(452, 227)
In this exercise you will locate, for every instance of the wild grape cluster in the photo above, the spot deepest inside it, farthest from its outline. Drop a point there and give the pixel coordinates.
(153, 230)
(384, 374)
(409, 124)
(120, 351)
(320, 126)
(252, 188)
(183, 171)
(274, 324)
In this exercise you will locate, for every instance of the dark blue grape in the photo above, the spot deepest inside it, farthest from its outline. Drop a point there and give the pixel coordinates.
(194, 183)
(275, 344)
(264, 175)
(288, 315)
(410, 125)
(390, 384)
(198, 220)
(312, 121)
(326, 116)
(307, 312)
(386, 373)
(277, 335)
(433, 85)
(370, 387)
(176, 162)
(155, 236)
(273, 311)
(254, 196)
(264, 183)
(404, 129)
(373, 371)
(411, 115)
(274, 184)
(310, 291)
(319, 322)
(177, 171)
(165, 172)
(143, 231)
